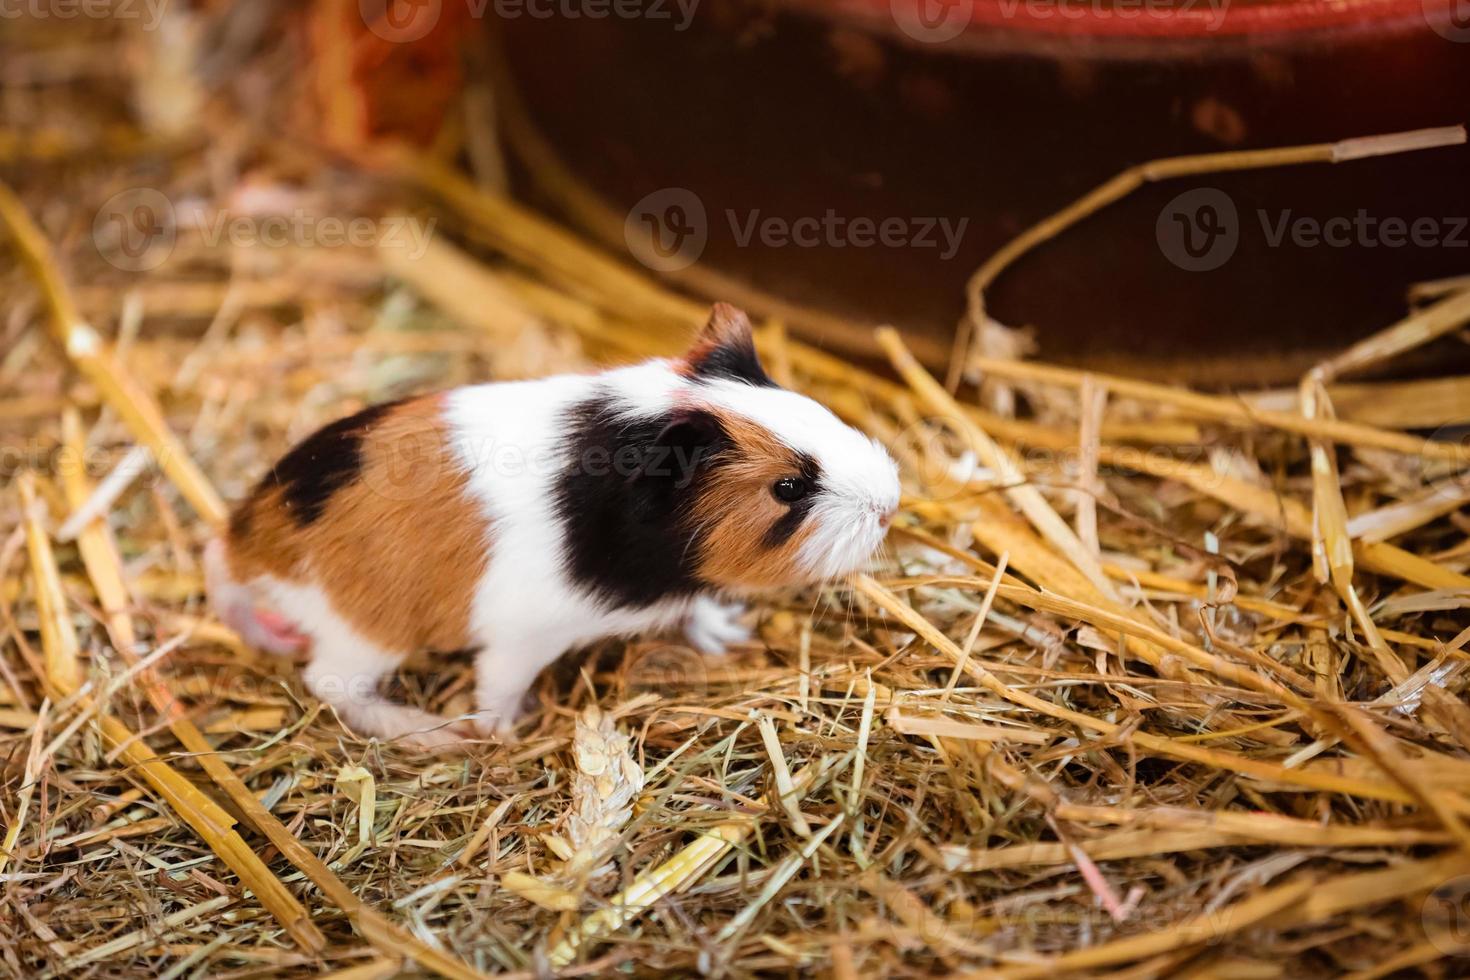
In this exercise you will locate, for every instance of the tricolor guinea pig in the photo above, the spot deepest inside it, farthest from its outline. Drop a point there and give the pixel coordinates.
(527, 518)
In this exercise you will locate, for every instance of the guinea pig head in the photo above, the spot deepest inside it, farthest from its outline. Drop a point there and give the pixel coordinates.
(788, 493)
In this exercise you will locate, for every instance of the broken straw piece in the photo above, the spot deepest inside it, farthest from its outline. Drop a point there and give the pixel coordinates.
(112, 487)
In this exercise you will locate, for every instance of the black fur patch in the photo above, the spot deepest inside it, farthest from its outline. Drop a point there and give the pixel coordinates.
(322, 463)
(781, 531)
(733, 361)
(624, 500)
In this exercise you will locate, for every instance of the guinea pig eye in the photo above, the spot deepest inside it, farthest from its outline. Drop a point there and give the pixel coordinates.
(789, 489)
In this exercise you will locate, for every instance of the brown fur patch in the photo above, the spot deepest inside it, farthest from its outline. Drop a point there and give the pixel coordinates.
(398, 551)
(262, 538)
(687, 365)
(726, 326)
(737, 510)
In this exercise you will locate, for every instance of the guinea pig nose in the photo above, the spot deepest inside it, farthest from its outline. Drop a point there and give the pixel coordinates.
(885, 517)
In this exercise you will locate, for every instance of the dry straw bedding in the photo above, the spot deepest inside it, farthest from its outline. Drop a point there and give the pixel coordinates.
(1146, 680)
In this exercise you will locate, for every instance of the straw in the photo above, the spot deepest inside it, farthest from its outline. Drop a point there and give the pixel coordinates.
(1091, 710)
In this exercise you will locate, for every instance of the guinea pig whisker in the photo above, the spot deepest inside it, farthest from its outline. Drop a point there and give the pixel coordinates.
(817, 600)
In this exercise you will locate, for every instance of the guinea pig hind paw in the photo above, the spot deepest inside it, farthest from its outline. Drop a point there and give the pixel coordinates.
(283, 634)
(713, 626)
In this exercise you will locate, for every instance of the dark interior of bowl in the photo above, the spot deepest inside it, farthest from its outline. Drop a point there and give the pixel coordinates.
(800, 113)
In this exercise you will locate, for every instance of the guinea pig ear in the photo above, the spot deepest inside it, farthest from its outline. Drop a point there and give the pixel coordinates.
(725, 349)
(687, 442)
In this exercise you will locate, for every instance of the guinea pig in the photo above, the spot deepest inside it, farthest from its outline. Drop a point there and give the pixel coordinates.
(527, 518)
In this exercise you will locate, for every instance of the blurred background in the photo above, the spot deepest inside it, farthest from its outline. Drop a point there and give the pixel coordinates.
(832, 163)
(982, 117)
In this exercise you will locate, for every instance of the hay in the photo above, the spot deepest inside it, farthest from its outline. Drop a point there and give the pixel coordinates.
(1147, 679)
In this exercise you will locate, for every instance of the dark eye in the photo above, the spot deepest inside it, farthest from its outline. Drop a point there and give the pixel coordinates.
(789, 489)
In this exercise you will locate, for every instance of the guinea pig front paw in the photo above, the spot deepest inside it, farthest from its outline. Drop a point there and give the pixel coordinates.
(713, 626)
